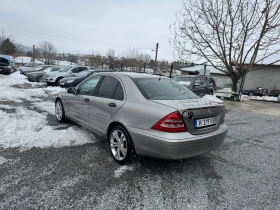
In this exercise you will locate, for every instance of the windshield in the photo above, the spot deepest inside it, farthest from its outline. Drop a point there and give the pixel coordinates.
(56, 68)
(39, 67)
(29, 65)
(65, 68)
(225, 86)
(163, 89)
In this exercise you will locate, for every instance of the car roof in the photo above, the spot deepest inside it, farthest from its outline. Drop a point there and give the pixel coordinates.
(187, 75)
(8, 57)
(132, 74)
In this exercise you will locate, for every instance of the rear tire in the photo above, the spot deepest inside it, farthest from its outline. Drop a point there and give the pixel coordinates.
(39, 79)
(121, 145)
(59, 111)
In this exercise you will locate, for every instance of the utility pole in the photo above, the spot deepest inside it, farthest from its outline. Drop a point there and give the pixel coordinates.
(33, 54)
(156, 57)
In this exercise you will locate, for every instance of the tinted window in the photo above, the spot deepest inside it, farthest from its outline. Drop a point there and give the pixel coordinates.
(76, 70)
(108, 87)
(164, 89)
(65, 68)
(29, 65)
(82, 69)
(87, 88)
(118, 95)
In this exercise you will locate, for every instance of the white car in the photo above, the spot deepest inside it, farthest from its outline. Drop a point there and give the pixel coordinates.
(225, 91)
(53, 78)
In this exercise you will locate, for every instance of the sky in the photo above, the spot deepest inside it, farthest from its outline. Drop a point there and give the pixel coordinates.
(87, 26)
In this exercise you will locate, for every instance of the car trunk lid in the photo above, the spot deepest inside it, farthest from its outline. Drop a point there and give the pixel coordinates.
(196, 111)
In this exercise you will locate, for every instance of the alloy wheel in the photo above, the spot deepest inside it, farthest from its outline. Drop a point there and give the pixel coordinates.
(58, 110)
(118, 144)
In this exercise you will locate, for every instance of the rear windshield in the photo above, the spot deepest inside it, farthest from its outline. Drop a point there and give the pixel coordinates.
(163, 89)
(29, 65)
(4, 61)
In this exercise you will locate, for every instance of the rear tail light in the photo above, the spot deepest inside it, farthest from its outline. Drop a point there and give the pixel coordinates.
(171, 123)
(222, 121)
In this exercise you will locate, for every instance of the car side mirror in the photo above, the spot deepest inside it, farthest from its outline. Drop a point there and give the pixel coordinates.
(72, 90)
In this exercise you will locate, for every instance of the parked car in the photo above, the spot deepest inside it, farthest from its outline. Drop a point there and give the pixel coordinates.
(77, 78)
(225, 91)
(259, 91)
(144, 115)
(38, 68)
(200, 85)
(7, 64)
(53, 78)
(38, 75)
(274, 92)
(29, 66)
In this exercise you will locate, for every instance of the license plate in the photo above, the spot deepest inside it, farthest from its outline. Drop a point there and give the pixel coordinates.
(205, 122)
(62, 83)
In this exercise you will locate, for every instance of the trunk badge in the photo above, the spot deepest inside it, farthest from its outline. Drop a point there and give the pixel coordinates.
(209, 110)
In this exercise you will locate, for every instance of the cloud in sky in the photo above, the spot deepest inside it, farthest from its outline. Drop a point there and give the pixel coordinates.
(93, 25)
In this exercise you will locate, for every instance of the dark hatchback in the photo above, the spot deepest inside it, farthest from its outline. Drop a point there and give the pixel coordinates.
(200, 85)
(77, 78)
(7, 64)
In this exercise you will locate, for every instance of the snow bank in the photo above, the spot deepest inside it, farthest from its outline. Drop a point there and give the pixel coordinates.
(25, 59)
(27, 129)
(24, 128)
(264, 98)
(16, 94)
(212, 98)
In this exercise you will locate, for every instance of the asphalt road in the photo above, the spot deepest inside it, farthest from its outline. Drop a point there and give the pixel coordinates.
(244, 173)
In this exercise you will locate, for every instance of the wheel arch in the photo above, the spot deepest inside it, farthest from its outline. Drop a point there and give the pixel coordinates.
(113, 124)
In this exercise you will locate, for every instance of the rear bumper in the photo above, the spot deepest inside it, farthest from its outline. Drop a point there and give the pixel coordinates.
(31, 79)
(4, 70)
(151, 146)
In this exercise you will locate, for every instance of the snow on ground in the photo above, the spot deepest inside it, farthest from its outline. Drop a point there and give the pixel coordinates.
(16, 94)
(212, 98)
(24, 128)
(264, 98)
(121, 170)
(3, 160)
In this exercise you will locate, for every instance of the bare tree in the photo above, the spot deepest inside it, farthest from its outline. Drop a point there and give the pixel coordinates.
(95, 59)
(111, 58)
(234, 34)
(48, 51)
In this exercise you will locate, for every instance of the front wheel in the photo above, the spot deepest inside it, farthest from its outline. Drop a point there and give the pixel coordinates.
(59, 111)
(57, 82)
(121, 145)
(40, 79)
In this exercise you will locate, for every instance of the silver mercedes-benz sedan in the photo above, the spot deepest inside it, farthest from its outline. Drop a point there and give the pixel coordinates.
(144, 115)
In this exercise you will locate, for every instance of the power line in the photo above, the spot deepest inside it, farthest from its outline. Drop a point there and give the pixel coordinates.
(73, 39)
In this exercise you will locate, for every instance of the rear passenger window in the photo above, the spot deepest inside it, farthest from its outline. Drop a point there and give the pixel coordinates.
(118, 95)
(108, 87)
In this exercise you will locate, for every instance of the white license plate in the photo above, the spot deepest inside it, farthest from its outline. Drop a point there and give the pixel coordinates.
(205, 122)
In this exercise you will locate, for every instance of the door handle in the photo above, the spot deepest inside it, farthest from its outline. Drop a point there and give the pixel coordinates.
(112, 105)
(86, 100)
